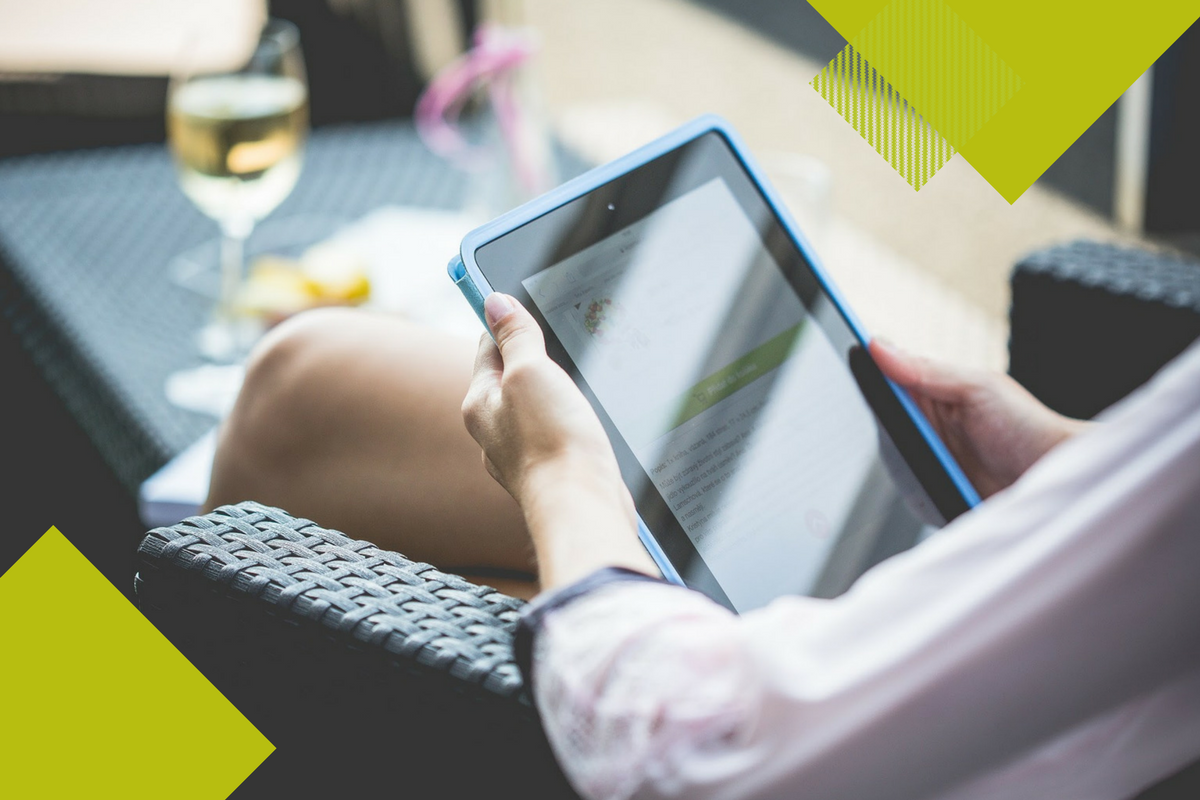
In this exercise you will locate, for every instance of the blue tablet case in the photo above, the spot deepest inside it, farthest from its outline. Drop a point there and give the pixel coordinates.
(458, 274)
(475, 287)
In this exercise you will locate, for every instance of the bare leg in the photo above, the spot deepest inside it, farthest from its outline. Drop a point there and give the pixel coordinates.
(352, 419)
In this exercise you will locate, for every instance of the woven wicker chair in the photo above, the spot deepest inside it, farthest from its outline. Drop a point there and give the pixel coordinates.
(399, 673)
(1091, 322)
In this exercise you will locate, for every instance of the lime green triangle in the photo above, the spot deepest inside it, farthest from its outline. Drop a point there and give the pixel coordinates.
(97, 702)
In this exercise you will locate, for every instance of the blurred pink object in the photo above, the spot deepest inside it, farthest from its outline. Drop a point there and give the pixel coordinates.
(492, 63)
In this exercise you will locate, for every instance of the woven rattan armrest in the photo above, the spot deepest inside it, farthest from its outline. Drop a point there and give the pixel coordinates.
(1091, 322)
(332, 645)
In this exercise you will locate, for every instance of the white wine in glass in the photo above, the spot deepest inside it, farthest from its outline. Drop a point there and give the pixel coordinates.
(237, 134)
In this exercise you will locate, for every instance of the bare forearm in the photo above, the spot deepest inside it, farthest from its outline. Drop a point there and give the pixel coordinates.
(581, 522)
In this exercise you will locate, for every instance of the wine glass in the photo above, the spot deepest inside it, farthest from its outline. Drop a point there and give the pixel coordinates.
(237, 121)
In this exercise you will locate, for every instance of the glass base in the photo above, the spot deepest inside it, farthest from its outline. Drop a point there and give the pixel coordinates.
(228, 341)
(209, 389)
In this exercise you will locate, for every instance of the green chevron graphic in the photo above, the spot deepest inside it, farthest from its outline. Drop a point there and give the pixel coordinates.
(1008, 86)
(952, 76)
(886, 120)
(954, 84)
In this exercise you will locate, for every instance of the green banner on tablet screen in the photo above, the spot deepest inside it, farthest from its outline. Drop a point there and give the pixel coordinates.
(737, 375)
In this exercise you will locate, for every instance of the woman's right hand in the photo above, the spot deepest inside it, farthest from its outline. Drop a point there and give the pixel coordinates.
(992, 425)
(542, 442)
(527, 414)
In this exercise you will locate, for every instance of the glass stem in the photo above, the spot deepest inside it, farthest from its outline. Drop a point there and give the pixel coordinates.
(233, 264)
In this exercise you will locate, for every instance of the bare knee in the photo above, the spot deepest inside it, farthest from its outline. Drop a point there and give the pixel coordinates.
(275, 422)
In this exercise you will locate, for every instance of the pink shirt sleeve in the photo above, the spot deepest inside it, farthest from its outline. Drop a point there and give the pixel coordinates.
(1043, 645)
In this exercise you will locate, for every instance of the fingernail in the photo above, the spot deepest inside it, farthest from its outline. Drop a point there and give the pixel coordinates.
(497, 306)
(887, 344)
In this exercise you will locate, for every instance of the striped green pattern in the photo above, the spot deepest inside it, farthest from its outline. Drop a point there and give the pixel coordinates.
(942, 66)
(886, 120)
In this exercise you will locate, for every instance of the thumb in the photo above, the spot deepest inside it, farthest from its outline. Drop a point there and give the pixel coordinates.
(516, 331)
(920, 375)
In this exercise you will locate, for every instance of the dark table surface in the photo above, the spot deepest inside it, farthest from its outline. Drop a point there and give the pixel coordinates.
(85, 242)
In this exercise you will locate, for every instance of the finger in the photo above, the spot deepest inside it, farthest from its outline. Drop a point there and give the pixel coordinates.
(931, 378)
(490, 466)
(488, 364)
(485, 380)
(517, 333)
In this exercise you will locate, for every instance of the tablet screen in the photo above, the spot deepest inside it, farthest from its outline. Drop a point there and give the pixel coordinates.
(746, 433)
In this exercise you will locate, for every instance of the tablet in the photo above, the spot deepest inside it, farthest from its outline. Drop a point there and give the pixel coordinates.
(765, 452)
